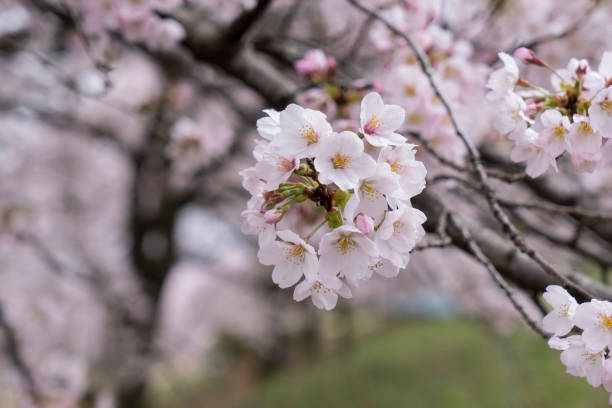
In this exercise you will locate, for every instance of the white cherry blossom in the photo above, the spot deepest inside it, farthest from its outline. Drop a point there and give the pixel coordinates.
(275, 168)
(600, 112)
(584, 139)
(595, 320)
(379, 121)
(560, 320)
(399, 233)
(292, 258)
(346, 251)
(502, 81)
(411, 172)
(323, 289)
(530, 148)
(555, 131)
(580, 361)
(341, 160)
(302, 131)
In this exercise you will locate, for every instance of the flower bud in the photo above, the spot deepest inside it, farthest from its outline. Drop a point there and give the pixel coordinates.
(273, 216)
(527, 56)
(364, 224)
(273, 197)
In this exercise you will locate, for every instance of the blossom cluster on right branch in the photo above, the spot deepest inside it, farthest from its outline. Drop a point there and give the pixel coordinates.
(574, 117)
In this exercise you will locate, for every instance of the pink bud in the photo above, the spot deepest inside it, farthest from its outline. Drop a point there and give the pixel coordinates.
(527, 56)
(364, 224)
(272, 216)
(273, 197)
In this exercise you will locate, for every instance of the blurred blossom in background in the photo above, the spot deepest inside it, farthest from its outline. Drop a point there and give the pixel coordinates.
(126, 280)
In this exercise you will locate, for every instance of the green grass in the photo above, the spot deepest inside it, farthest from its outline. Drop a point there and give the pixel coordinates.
(431, 364)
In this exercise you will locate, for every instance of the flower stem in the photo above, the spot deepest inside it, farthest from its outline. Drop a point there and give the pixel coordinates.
(315, 229)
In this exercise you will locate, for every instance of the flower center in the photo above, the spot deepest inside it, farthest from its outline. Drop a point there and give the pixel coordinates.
(345, 245)
(284, 164)
(559, 131)
(372, 125)
(307, 132)
(585, 129)
(397, 167)
(341, 161)
(370, 192)
(564, 310)
(606, 106)
(590, 357)
(295, 255)
(319, 287)
(605, 321)
(397, 227)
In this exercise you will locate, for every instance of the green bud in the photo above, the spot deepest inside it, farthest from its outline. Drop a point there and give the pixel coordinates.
(334, 219)
(301, 198)
(340, 198)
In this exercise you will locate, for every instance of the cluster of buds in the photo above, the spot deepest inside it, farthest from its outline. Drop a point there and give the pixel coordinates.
(586, 354)
(574, 117)
(331, 208)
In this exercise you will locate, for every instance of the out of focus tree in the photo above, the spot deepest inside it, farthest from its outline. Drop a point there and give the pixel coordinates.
(125, 124)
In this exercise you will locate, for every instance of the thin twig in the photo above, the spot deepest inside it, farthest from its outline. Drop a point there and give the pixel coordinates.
(494, 273)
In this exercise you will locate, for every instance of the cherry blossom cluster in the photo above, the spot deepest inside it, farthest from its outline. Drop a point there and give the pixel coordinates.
(331, 208)
(460, 78)
(573, 117)
(138, 21)
(587, 354)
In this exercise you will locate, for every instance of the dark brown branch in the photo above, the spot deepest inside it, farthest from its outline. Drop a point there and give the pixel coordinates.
(241, 25)
(14, 353)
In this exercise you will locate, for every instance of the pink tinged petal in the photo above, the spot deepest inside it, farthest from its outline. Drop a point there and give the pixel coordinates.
(537, 164)
(289, 236)
(606, 378)
(270, 254)
(556, 324)
(558, 343)
(345, 291)
(595, 339)
(286, 275)
(593, 368)
(302, 291)
(385, 268)
(393, 117)
(325, 300)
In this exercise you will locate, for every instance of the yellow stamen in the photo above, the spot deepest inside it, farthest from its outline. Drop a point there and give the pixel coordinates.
(606, 106)
(341, 161)
(345, 245)
(397, 167)
(307, 132)
(605, 321)
(295, 255)
(397, 227)
(370, 192)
